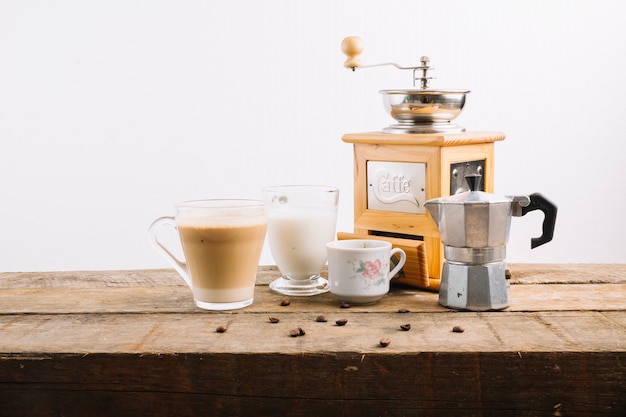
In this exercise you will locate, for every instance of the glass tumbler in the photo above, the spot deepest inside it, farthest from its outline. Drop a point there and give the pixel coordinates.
(302, 220)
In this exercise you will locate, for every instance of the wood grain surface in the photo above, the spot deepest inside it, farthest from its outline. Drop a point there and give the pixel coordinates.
(133, 343)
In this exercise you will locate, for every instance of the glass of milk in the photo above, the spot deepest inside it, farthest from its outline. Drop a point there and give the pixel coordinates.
(302, 219)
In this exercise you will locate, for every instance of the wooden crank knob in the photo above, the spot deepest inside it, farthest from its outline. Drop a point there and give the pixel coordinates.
(352, 46)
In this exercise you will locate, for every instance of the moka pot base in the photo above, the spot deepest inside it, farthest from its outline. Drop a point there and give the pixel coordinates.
(481, 287)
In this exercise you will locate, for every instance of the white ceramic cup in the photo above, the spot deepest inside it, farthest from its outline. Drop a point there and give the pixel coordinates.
(359, 270)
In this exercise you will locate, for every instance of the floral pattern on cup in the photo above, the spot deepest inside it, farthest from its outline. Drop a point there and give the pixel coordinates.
(372, 273)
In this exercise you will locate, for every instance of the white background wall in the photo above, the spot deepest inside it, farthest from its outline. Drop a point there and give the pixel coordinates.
(112, 111)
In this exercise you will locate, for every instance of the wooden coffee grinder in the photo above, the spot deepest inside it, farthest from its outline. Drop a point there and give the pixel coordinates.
(422, 156)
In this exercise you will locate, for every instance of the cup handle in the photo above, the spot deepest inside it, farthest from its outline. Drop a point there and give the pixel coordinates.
(400, 263)
(181, 267)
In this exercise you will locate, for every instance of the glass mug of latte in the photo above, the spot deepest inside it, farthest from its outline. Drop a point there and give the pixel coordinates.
(302, 219)
(222, 242)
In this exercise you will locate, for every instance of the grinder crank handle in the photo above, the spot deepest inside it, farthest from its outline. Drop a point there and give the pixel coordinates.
(539, 202)
(352, 46)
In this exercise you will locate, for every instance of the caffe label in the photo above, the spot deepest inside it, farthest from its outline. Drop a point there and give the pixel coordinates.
(396, 186)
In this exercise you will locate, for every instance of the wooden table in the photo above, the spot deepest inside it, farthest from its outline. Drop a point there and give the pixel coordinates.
(132, 343)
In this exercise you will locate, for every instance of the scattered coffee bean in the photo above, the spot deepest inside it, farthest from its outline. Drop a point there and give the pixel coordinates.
(285, 302)
(341, 322)
(297, 332)
(321, 319)
(384, 342)
(403, 310)
(221, 329)
(345, 305)
(274, 319)
(458, 329)
(406, 327)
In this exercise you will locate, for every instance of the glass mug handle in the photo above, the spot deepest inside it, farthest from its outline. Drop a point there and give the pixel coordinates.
(181, 267)
(400, 263)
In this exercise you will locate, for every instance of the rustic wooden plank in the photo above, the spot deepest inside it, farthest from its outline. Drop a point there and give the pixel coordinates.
(415, 384)
(576, 329)
(253, 333)
(563, 297)
(521, 274)
(568, 273)
(110, 279)
(177, 298)
(132, 343)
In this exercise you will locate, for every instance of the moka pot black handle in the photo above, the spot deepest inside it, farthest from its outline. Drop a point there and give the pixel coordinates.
(539, 202)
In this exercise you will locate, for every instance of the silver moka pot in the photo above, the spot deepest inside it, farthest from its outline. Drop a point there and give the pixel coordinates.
(474, 229)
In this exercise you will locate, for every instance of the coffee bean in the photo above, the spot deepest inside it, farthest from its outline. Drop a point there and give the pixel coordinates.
(458, 329)
(406, 327)
(221, 329)
(274, 319)
(384, 342)
(345, 305)
(321, 319)
(341, 322)
(285, 302)
(297, 332)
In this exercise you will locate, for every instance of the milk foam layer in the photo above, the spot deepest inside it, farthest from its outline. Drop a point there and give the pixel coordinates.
(192, 218)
